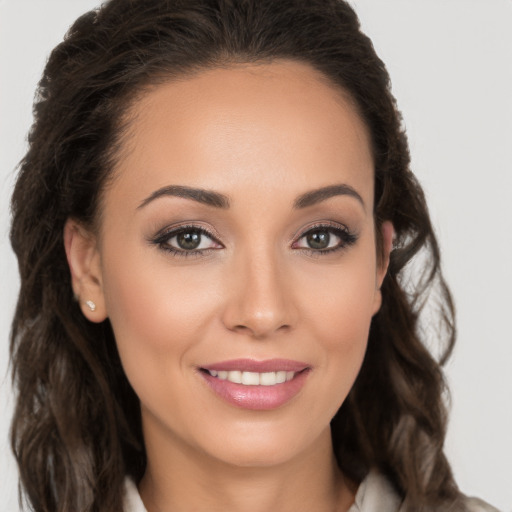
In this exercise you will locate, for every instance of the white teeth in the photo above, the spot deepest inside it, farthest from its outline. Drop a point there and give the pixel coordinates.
(268, 379)
(235, 376)
(250, 378)
(253, 378)
(281, 377)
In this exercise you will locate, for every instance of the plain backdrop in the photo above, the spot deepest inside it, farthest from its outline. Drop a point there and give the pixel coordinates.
(451, 67)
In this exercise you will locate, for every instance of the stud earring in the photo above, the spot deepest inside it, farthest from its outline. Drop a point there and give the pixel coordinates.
(90, 304)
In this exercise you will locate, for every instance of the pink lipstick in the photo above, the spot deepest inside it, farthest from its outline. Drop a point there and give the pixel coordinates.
(256, 385)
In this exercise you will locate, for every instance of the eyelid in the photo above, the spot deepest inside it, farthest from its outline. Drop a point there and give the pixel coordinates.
(162, 237)
(169, 232)
(327, 224)
(183, 226)
(347, 237)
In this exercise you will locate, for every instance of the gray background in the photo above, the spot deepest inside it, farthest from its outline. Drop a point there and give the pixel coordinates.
(450, 63)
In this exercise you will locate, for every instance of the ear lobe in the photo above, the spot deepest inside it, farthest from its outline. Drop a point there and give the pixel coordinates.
(387, 234)
(84, 264)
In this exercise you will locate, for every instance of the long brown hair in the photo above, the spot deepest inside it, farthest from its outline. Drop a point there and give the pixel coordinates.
(76, 431)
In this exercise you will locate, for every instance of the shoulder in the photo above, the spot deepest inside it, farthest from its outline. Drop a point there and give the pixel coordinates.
(478, 505)
(377, 494)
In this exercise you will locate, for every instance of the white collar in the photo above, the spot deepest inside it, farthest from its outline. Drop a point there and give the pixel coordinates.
(375, 494)
(132, 501)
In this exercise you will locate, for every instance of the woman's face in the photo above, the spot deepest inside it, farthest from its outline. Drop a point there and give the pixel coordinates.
(238, 243)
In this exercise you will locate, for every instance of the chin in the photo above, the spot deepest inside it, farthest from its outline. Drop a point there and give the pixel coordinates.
(257, 456)
(261, 448)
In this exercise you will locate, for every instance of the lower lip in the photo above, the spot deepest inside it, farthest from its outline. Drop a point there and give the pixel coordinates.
(257, 398)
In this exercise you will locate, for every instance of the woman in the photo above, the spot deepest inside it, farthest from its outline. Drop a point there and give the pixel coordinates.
(213, 300)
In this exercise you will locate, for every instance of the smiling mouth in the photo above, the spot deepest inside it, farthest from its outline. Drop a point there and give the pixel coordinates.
(256, 385)
(253, 378)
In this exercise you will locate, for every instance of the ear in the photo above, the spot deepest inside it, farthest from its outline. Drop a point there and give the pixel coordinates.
(387, 234)
(85, 267)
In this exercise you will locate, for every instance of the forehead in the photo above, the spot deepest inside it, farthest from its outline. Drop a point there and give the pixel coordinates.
(279, 125)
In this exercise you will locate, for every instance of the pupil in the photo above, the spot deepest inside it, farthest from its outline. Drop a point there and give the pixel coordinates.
(189, 240)
(318, 239)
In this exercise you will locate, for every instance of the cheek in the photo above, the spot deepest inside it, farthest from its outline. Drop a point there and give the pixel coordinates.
(340, 299)
(338, 309)
(342, 329)
(158, 313)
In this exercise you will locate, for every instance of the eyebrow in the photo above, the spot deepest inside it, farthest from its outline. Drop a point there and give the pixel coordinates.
(316, 196)
(207, 197)
(218, 200)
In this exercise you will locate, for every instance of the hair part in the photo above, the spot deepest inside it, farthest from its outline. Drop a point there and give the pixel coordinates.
(76, 431)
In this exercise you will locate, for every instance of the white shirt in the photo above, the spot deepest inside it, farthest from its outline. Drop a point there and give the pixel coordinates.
(375, 494)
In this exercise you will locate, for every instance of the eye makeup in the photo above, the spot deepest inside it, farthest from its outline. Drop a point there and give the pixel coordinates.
(318, 239)
(186, 240)
(324, 238)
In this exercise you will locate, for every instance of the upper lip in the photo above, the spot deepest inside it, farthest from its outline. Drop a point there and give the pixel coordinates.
(252, 365)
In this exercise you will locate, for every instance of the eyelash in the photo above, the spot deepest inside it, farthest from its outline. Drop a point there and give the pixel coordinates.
(162, 241)
(346, 237)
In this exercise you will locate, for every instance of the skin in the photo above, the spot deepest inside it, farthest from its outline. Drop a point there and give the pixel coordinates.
(262, 135)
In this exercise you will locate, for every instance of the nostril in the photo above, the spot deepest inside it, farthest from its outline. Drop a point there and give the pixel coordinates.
(241, 328)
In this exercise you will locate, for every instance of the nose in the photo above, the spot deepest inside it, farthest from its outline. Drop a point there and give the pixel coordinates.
(259, 297)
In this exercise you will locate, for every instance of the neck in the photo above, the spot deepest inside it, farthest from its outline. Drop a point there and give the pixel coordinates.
(179, 480)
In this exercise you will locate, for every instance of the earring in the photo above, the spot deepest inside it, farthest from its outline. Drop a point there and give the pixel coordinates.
(90, 304)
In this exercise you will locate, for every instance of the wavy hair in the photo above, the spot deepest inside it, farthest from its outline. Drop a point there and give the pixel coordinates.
(76, 431)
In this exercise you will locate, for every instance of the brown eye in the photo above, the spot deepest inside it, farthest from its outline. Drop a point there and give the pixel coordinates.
(189, 240)
(318, 239)
(325, 239)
